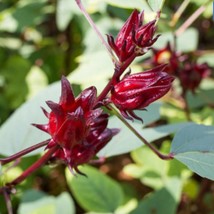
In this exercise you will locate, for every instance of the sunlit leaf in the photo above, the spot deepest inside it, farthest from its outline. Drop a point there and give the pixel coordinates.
(96, 192)
(65, 10)
(35, 202)
(14, 71)
(208, 58)
(97, 67)
(162, 201)
(156, 5)
(126, 141)
(17, 131)
(194, 147)
(138, 4)
(36, 81)
(187, 41)
(153, 168)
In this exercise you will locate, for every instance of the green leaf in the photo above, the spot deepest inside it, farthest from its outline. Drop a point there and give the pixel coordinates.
(14, 72)
(96, 192)
(35, 202)
(151, 114)
(154, 172)
(162, 201)
(187, 41)
(191, 188)
(62, 201)
(65, 9)
(11, 43)
(203, 97)
(208, 58)
(125, 141)
(194, 147)
(97, 67)
(156, 5)
(17, 131)
(29, 14)
(153, 168)
(36, 80)
(8, 22)
(138, 4)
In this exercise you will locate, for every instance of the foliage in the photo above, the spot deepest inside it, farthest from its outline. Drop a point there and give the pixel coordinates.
(43, 40)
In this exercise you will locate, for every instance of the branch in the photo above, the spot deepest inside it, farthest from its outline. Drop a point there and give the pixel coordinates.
(156, 151)
(34, 167)
(90, 21)
(23, 152)
(7, 201)
(191, 19)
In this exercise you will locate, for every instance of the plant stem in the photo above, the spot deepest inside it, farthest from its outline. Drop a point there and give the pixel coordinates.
(23, 152)
(186, 106)
(119, 69)
(90, 21)
(191, 19)
(8, 201)
(179, 12)
(156, 151)
(203, 52)
(33, 167)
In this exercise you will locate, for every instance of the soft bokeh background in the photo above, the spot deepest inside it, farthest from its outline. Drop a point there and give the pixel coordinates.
(44, 39)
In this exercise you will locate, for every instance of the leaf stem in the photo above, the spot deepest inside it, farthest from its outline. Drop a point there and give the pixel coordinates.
(91, 22)
(191, 19)
(179, 12)
(131, 128)
(8, 201)
(186, 106)
(23, 152)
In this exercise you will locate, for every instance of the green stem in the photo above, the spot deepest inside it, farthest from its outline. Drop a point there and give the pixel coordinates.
(191, 19)
(179, 12)
(90, 21)
(137, 134)
(186, 106)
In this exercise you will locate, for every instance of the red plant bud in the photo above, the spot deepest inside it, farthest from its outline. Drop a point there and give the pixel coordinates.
(192, 74)
(167, 56)
(134, 37)
(137, 91)
(79, 130)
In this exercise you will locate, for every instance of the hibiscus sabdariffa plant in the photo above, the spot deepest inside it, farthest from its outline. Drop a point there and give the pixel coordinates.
(78, 126)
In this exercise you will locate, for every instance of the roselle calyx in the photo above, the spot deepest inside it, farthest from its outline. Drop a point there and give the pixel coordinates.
(192, 74)
(182, 66)
(76, 127)
(167, 55)
(134, 38)
(137, 91)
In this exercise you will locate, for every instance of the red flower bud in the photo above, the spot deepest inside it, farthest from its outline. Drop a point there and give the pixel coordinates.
(79, 130)
(137, 91)
(134, 37)
(192, 74)
(167, 56)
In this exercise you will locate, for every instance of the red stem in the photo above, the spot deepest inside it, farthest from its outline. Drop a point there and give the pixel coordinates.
(156, 151)
(119, 69)
(33, 167)
(23, 152)
(7, 201)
